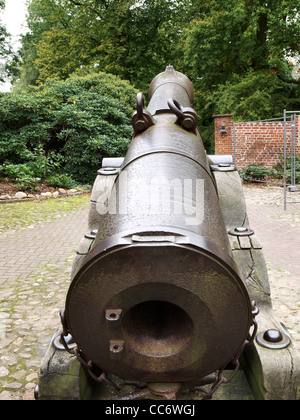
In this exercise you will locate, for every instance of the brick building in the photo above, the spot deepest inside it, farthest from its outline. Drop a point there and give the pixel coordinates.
(256, 142)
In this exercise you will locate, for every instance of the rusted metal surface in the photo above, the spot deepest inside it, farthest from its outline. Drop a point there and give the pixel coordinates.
(170, 84)
(176, 323)
(159, 298)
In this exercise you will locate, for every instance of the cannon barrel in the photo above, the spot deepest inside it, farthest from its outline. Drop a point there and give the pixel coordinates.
(158, 297)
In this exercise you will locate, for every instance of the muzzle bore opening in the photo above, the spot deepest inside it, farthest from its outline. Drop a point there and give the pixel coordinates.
(157, 328)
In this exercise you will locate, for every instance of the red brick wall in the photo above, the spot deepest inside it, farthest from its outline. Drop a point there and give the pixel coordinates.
(256, 143)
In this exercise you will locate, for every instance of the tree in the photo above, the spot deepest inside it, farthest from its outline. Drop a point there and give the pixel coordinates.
(134, 40)
(50, 47)
(238, 54)
(238, 35)
(257, 95)
(6, 54)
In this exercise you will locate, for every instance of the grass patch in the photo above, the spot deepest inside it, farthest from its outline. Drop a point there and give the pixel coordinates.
(14, 216)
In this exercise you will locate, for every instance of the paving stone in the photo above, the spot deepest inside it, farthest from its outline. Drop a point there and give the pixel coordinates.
(279, 233)
(35, 269)
(20, 195)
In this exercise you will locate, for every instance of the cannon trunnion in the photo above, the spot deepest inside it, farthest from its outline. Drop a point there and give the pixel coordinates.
(158, 294)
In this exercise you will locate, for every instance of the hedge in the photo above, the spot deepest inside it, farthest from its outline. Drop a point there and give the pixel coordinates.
(65, 127)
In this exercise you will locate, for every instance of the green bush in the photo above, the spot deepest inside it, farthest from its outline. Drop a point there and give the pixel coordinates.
(22, 174)
(39, 167)
(255, 172)
(66, 126)
(27, 182)
(15, 171)
(278, 169)
(61, 181)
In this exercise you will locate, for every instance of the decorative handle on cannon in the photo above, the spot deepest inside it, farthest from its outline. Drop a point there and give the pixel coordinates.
(187, 117)
(142, 119)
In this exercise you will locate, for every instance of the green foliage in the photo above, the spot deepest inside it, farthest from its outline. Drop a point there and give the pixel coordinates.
(15, 171)
(236, 53)
(255, 172)
(27, 182)
(134, 40)
(260, 172)
(278, 169)
(22, 174)
(7, 56)
(234, 36)
(66, 126)
(256, 95)
(61, 181)
(239, 54)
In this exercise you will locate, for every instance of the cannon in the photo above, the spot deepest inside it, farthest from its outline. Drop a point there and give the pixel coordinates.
(169, 293)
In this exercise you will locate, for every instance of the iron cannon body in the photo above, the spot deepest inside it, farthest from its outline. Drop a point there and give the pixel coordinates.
(160, 293)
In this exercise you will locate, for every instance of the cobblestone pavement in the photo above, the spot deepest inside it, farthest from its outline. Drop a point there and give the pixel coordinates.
(35, 270)
(35, 266)
(279, 233)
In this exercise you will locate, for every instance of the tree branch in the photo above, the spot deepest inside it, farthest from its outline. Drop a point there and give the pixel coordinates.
(287, 80)
(77, 3)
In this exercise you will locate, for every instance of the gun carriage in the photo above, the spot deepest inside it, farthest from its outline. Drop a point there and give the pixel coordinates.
(169, 289)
